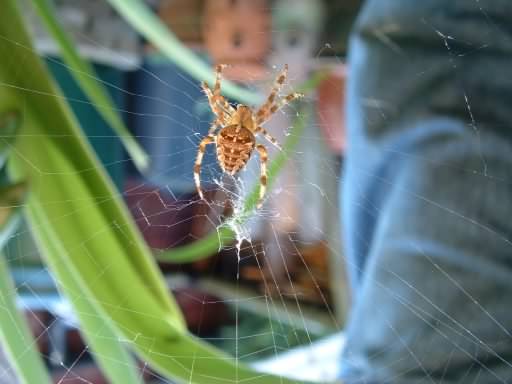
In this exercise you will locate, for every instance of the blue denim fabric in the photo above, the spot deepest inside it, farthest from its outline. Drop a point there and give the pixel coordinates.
(427, 194)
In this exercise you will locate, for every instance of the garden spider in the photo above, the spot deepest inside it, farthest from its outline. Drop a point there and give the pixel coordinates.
(236, 139)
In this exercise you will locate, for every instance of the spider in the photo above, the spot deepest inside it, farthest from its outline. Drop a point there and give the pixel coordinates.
(236, 139)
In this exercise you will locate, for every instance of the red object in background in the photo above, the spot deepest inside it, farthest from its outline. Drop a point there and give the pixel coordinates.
(331, 109)
(204, 313)
(237, 32)
(164, 221)
(38, 322)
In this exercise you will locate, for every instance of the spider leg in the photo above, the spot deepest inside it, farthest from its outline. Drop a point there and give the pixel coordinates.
(218, 104)
(210, 139)
(276, 107)
(278, 83)
(268, 136)
(218, 78)
(217, 97)
(225, 107)
(214, 105)
(213, 127)
(263, 172)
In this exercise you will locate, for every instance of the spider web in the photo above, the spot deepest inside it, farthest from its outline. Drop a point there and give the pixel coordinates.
(280, 311)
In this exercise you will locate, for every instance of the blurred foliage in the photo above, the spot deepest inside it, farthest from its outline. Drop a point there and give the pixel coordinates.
(85, 76)
(15, 334)
(87, 236)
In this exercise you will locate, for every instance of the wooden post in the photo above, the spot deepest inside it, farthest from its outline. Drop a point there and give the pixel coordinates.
(237, 32)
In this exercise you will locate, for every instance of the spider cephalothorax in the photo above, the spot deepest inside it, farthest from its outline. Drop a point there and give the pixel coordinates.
(236, 139)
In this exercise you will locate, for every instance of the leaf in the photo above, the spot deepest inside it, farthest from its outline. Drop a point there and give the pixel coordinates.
(153, 29)
(86, 77)
(15, 335)
(11, 197)
(118, 365)
(10, 122)
(110, 354)
(87, 234)
(11, 194)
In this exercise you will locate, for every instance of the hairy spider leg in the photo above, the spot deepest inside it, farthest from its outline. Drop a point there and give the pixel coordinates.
(263, 172)
(210, 139)
(217, 97)
(218, 78)
(216, 124)
(220, 107)
(276, 107)
(278, 83)
(266, 135)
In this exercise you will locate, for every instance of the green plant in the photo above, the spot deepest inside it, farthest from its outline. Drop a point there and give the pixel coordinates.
(85, 232)
(85, 76)
(15, 335)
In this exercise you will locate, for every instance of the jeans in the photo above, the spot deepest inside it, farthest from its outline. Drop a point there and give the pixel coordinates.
(427, 193)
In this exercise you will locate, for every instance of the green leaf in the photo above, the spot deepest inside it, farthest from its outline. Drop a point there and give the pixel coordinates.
(10, 122)
(11, 194)
(33, 90)
(11, 197)
(87, 235)
(111, 355)
(86, 77)
(15, 335)
(153, 29)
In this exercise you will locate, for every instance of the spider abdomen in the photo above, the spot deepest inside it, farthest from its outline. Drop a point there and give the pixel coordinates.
(234, 147)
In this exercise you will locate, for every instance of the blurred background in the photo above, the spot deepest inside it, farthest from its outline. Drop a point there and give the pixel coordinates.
(278, 297)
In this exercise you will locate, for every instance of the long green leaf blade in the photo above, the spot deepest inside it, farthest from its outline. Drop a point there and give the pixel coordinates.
(111, 355)
(34, 93)
(10, 122)
(86, 77)
(15, 334)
